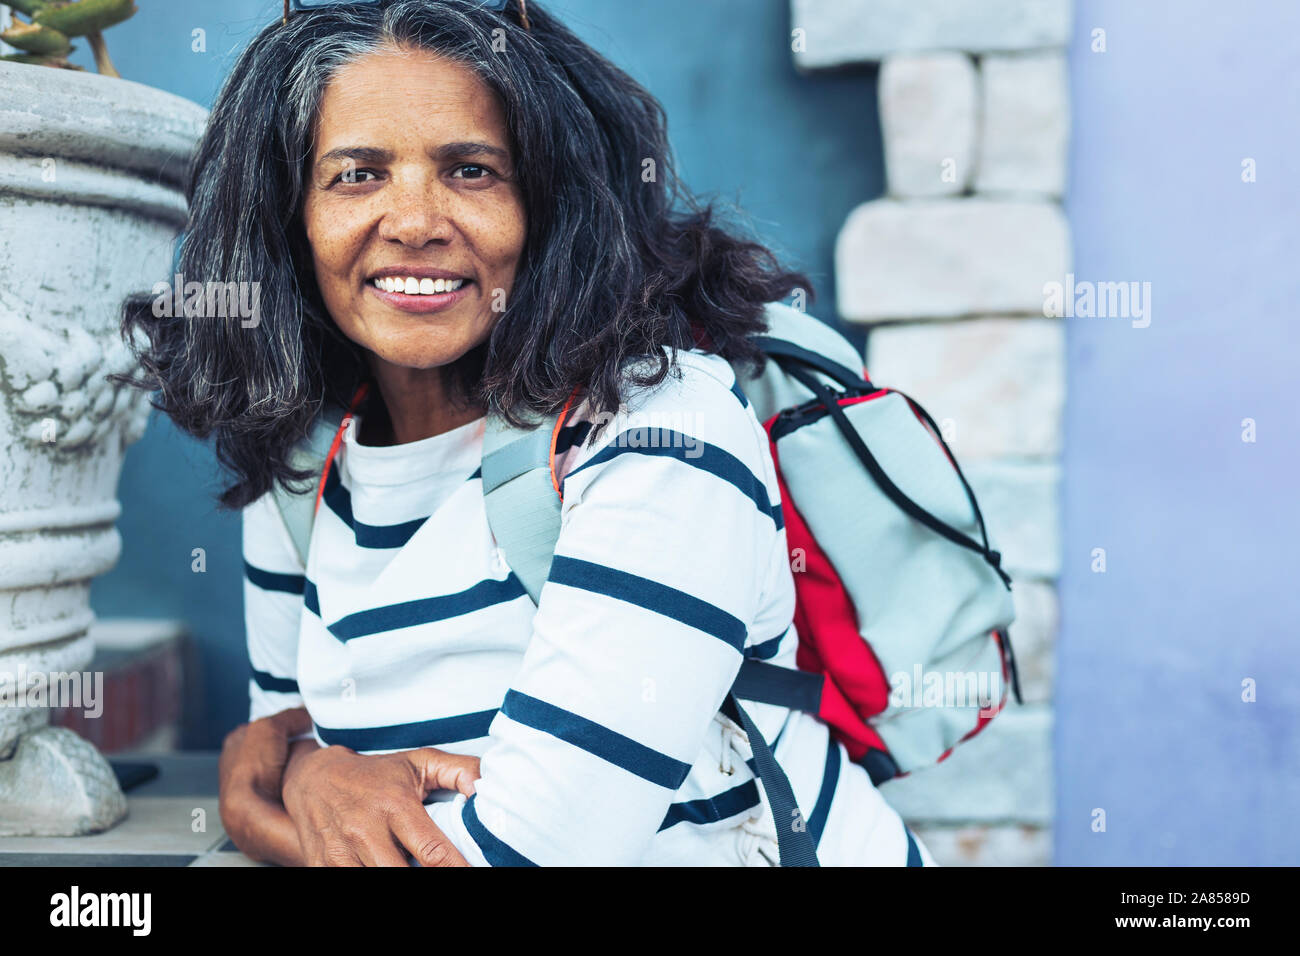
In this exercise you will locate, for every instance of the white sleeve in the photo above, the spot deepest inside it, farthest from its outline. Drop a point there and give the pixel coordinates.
(638, 636)
(274, 579)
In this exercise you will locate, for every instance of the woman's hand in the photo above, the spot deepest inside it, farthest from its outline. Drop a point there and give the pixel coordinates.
(250, 772)
(353, 809)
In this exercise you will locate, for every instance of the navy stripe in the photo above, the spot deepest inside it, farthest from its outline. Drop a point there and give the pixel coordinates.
(778, 516)
(768, 649)
(651, 595)
(378, 536)
(735, 390)
(571, 435)
(784, 725)
(599, 741)
(666, 443)
(337, 497)
(389, 617)
(310, 599)
(478, 473)
(830, 779)
(713, 809)
(423, 733)
(913, 851)
(495, 851)
(273, 581)
(280, 685)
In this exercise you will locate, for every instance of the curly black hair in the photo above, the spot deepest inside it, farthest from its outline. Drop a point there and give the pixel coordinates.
(618, 266)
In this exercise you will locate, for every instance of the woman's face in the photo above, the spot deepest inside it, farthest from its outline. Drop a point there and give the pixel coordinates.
(415, 221)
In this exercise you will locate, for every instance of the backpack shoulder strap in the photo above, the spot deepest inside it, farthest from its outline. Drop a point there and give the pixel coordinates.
(794, 334)
(298, 509)
(523, 504)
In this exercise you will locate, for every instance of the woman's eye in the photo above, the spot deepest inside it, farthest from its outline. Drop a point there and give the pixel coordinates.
(353, 176)
(475, 172)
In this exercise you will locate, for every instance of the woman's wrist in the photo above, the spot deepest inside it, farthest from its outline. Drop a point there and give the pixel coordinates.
(299, 751)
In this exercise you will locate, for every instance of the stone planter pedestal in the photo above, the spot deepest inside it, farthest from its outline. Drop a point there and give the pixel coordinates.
(91, 198)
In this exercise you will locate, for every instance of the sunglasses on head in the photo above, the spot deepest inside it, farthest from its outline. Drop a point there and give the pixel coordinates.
(304, 6)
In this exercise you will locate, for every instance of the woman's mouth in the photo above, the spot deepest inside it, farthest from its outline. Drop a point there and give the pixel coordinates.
(412, 294)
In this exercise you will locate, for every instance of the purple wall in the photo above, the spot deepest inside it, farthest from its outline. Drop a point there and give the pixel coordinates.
(1201, 530)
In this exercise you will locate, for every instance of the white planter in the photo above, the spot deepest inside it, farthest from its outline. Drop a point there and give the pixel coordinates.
(91, 198)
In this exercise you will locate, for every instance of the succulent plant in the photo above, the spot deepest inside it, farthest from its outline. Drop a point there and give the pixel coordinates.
(45, 40)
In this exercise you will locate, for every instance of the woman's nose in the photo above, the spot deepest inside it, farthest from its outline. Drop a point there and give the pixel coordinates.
(417, 216)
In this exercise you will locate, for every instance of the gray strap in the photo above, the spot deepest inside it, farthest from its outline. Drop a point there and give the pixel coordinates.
(299, 514)
(298, 509)
(794, 842)
(772, 684)
(523, 509)
(509, 452)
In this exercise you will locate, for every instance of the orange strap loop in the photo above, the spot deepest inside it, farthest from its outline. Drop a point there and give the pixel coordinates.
(555, 437)
(338, 439)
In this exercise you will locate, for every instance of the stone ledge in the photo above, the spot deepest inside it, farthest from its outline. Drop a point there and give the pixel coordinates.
(172, 820)
(844, 32)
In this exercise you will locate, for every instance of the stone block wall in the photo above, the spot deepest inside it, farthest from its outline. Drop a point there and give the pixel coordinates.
(947, 272)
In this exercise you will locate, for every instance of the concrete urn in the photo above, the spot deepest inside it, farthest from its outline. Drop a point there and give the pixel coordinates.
(91, 198)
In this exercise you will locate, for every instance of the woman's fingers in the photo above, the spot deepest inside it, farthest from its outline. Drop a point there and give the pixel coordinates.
(381, 849)
(422, 838)
(358, 810)
(438, 770)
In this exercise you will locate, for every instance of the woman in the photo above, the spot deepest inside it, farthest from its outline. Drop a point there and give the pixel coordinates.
(455, 212)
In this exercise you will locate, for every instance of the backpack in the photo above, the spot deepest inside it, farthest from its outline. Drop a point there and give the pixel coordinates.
(896, 581)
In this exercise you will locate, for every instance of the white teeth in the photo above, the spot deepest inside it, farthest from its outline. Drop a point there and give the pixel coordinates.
(413, 286)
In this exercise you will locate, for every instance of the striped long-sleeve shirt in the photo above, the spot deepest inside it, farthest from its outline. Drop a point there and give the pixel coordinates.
(595, 712)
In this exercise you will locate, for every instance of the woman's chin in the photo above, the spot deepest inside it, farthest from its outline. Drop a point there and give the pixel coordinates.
(419, 357)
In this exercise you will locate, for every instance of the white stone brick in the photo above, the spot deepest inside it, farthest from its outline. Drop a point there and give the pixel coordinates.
(996, 386)
(1033, 637)
(947, 258)
(840, 32)
(982, 845)
(1001, 775)
(1020, 504)
(1025, 125)
(928, 119)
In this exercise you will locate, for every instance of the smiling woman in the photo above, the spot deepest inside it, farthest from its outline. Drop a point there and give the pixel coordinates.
(615, 266)
(451, 216)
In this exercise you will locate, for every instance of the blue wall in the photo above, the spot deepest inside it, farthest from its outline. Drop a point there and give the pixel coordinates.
(1200, 528)
(798, 153)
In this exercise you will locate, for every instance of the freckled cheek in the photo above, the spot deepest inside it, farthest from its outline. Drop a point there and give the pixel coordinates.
(335, 244)
(505, 234)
